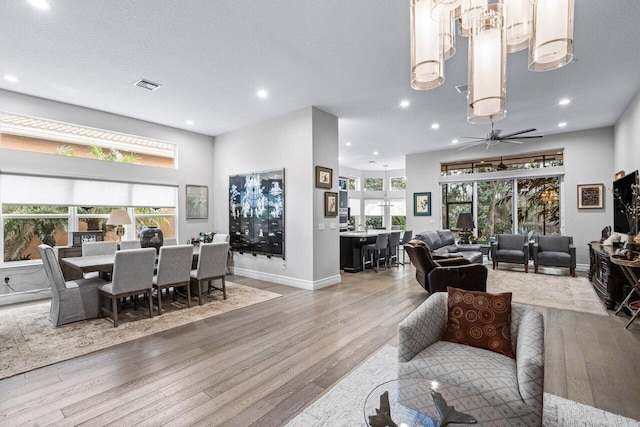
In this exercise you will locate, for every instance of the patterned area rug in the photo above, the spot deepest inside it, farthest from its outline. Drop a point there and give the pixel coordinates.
(343, 405)
(28, 340)
(548, 290)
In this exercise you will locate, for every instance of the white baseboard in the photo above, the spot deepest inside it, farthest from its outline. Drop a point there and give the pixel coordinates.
(288, 281)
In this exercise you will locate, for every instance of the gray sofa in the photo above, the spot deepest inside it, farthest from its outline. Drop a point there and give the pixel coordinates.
(443, 242)
(513, 387)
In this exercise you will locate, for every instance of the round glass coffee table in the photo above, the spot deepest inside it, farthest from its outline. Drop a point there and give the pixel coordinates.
(411, 404)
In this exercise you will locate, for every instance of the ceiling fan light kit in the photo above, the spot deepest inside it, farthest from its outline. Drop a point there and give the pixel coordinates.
(545, 26)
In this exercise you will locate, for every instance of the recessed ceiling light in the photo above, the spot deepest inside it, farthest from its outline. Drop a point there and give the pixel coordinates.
(435, 126)
(375, 153)
(348, 143)
(40, 4)
(404, 103)
(12, 79)
(262, 94)
(454, 141)
(564, 101)
(190, 122)
(562, 124)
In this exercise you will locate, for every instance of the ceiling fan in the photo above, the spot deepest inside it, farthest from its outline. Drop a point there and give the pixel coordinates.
(495, 136)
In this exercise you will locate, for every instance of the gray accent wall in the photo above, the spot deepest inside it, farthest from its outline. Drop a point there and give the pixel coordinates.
(627, 138)
(588, 159)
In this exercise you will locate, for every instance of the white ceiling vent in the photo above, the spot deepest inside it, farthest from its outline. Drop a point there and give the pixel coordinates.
(462, 88)
(146, 84)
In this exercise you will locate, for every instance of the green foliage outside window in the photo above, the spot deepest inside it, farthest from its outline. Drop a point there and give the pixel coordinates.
(399, 221)
(19, 232)
(373, 184)
(373, 222)
(398, 183)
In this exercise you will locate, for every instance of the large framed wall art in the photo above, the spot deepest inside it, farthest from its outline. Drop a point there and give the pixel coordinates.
(256, 212)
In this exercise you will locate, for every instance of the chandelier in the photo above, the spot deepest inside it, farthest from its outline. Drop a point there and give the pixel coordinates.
(493, 29)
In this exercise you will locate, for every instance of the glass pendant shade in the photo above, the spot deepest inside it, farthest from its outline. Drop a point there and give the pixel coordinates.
(551, 43)
(487, 67)
(469, 11)
(448, 27)
(443, 7)
(427, 53)
(518, 23)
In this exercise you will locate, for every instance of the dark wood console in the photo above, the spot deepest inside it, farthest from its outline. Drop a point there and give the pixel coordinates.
(69, 252)
(607, 278)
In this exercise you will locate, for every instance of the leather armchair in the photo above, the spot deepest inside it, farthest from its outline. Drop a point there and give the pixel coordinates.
(511, 248)
(435, 276)
(555, 251)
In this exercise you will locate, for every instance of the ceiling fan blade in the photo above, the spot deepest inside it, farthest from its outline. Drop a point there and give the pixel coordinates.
(471, 145)
(512, 141)
(522, 137)
(518, 133)
(472, 137)
(497, 132)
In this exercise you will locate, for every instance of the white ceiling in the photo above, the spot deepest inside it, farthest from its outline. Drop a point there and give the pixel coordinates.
(349, 58)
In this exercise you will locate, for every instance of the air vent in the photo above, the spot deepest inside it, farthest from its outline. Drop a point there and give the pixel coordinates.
(462, 88)
(146, 84)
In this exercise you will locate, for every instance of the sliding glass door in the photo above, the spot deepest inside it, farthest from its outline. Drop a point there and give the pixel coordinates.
(495, 213)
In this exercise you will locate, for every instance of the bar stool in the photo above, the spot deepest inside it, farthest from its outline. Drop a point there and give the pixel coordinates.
(394, 245)
(406, 238)
(381, 245)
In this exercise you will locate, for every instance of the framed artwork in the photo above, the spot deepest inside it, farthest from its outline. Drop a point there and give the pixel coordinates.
(197, 201)
(590, 196)
(330, 203)
(324, 177)
(422, 204)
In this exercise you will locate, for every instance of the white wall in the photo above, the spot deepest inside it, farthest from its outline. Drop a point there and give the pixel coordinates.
(194, 165)
(284, 142)
(627, 138)
(588, 159)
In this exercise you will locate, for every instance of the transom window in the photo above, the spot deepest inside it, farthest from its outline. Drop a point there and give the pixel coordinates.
(501, 163)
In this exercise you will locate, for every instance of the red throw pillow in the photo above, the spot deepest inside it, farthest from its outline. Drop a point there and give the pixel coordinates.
(480, 319)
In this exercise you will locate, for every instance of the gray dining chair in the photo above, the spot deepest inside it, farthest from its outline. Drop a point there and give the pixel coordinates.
(132, 276)
(129, 244)
(99, 248)
(170, 241)
(174, 268)
(73, 300)
(219, 237)
(212, 265)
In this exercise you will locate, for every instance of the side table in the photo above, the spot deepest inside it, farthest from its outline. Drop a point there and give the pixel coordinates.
(627, 268)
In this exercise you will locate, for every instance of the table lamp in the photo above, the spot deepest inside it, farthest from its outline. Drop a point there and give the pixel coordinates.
(466, 226)
(119, 217)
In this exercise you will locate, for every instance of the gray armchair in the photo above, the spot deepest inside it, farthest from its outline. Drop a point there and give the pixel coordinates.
(555, 251)
(510, 248)
(73, 300)
(513, 387)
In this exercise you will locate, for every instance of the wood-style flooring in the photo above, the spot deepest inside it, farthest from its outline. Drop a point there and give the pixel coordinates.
(263, 364)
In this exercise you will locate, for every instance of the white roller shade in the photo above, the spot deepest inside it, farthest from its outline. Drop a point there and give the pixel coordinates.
(354, 204)
(37, 190)
(398, 207)
(372, 207)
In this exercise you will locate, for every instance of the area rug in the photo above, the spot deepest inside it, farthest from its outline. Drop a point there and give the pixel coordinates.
(547, 290)
(28, 340)
(343, 405)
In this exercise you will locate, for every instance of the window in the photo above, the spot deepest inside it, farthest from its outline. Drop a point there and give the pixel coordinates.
(373, 213)
(495, 214)
(494, 164)
(48, 136)
(163, 218)
(539, 206)
(456, 198)
(373, 184)
(354, 212)
(398, 211)
(95, 218)
(26, 227)
(354, 183)
(398, 183)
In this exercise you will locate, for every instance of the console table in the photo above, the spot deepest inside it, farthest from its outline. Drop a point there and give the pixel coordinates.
(606, 277)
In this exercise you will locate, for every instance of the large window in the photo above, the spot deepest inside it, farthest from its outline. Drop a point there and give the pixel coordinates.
(494, 209)
(373, 184)
(539, 206)
(497, 164)
(354, 213)
(456, 199)
(373, 213)
(398, 211)
(163, 218)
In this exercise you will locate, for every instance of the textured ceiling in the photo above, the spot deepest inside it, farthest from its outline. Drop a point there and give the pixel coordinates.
(349, 58)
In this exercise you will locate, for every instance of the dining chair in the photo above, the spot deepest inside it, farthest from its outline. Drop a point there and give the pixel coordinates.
(219, 237)
(70, 300)
(170, 241)
(174, 268)
(98, 248)
(129, 244)
(132, 276)
(212, 265)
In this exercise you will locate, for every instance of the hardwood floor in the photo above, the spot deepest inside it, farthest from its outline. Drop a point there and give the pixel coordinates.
(262, 364)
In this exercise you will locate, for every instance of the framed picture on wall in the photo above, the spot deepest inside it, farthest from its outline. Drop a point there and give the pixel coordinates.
(197, 201)
(330, 203)
(422, 204)
(590, 196)
(324, 177)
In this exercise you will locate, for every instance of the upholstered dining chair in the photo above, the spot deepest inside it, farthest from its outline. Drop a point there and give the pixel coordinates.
(170, 241)
(554, 251)
(98, 248)
(212, 265)
(132, 276)
(511, 248)
(70, 301)
(375, 251)
(220, 237)
(174, 268)
(129, 244)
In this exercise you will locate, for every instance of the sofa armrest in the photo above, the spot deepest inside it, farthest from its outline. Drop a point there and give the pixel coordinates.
(536, 249)
(446, 262)
(572, 253)
(423, 327)
(530, 359)
(494, 250)
(525, 249)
